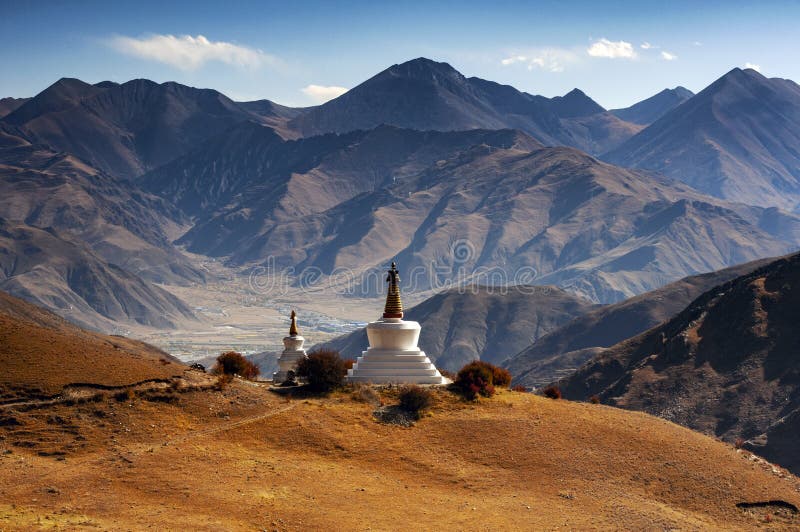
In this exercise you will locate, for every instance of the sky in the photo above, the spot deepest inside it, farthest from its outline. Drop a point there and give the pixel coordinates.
(303, 53)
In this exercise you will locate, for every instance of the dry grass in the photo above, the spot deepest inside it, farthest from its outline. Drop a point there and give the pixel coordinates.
(518, 461)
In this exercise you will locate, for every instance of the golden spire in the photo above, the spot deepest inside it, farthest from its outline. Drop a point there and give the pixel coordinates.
(394, 306)
(293, 331)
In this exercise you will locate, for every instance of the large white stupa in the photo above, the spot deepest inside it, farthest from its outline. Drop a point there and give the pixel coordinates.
(393, 355)
(292, 353)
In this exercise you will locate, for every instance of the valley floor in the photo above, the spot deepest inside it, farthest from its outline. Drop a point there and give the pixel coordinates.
(245, 458)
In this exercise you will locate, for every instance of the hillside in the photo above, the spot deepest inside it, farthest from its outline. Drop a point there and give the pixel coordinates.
(62, 274)
(651, 109)
(116, 219)
(41, 354)
(737, 139)
(515, 209)
(561, 351)
(257, 461)
(422, 94)
(479, 322)
(727, 365)
(9, 104)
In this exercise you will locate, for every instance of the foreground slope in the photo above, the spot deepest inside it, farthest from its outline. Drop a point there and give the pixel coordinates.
(561, 351)
(479, 322)
(728, 365)
(258, 461)
(738, 139)
(41, 354)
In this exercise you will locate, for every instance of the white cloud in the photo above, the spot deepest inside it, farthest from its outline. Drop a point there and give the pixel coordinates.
(549, 59)
(697, 43)
(322, 94)
(754, 66)
(666, 56)
(611, 49)
(646, 46)
(188, 53)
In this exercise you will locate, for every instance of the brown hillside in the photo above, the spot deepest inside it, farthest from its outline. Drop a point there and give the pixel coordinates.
(245, 459)
(41, 353)
(728, 365)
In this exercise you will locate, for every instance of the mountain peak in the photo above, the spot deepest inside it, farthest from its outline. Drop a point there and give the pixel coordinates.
(575, 103)
(424, 68)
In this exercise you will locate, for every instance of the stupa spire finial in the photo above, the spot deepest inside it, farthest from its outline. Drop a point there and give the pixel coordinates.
(394, 306)
(293, 330)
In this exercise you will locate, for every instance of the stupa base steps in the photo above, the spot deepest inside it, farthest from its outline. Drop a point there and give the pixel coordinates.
(395, 366)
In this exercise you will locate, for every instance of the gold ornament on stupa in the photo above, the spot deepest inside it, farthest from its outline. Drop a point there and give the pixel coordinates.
(293, 330)
(394, 306)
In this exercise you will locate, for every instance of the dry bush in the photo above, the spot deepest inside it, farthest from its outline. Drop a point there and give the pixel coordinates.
(739, 443)
(519, 388)
(474, 379)
(128, 394)
(553, 392)
(595, 399)
(364, 393)
(233, 363)
(323, 370)
(222, 382)
(415, 399)
(500, 376)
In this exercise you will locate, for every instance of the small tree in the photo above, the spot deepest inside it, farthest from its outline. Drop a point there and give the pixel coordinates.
(415, 399)
(553, 392)
(233, 363)
(324, 370)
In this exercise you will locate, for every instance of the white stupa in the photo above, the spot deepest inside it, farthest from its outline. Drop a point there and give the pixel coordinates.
(292, 353)
(393, 355)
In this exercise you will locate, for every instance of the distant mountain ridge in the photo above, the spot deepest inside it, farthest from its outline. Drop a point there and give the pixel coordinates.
(651, 109)
(737, 139)
(423, 94)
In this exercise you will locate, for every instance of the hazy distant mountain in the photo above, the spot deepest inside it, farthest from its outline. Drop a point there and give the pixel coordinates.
(727, 365)
(9, 104)
(362, 199)
(561, 351)
(119, 221)
(129, 128)
(480, 322)
(651, 109)
(423, 94)
(52, 270)
(737, 139)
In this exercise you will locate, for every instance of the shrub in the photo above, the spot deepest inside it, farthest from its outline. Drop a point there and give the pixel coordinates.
(415, 399)
(595, 400)
(222, 382)
(233, 363)
(519, 388)
(739, 443)
(324, 370)
(553, 392)
(500, 376)
(476, 378)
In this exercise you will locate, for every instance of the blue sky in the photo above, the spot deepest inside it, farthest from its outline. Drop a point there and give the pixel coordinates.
(299, 53)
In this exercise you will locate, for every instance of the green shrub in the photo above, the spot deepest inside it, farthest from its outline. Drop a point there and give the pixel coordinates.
(324, 370)
(233, 363)
(415, 399)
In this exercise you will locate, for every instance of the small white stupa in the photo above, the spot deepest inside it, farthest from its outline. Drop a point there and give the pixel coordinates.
(393, 355)
(292, 353)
